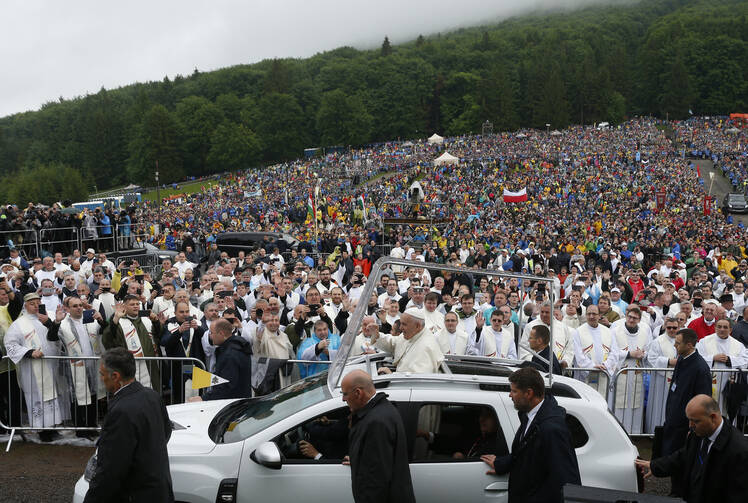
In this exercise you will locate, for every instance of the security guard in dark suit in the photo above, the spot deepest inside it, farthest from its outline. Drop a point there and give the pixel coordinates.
(714, 461)
(542, 458)
(132, 464)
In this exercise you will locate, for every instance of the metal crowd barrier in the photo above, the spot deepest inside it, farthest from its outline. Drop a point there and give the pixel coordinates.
(55, 240)
(80, 399)
(19, 239)
(641, 426)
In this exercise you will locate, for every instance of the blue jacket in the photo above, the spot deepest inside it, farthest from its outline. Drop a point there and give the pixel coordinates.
(310, 369)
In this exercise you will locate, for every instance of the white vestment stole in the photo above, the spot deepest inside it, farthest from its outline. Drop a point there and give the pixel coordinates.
(133, 346)
(42, 374)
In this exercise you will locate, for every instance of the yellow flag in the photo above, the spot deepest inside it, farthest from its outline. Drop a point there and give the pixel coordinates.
(202, 379)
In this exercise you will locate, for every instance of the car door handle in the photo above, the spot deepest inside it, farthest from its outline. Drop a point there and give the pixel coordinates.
(498, 486)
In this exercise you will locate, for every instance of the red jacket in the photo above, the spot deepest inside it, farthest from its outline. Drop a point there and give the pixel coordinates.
(702, 328)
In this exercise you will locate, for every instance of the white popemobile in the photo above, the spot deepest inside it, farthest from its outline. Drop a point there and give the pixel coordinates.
(248, 449)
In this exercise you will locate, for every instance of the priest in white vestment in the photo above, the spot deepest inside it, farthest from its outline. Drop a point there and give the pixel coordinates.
(503, 338)
(452, 338)
(434, 318)
(661, 353)
(633, 337)
(82, 340)
(721, 351)
(595, 348)
(274, 343)
(416, 350)
(26, 343)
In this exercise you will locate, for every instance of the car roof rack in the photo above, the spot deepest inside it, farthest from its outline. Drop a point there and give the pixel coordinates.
(338, 365)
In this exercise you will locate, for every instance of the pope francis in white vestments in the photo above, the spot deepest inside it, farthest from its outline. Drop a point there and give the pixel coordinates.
(416, 350)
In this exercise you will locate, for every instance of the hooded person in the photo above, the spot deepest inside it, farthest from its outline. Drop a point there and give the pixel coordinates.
(321, 346)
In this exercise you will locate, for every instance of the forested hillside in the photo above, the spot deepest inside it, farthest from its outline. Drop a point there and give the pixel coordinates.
(600, 64)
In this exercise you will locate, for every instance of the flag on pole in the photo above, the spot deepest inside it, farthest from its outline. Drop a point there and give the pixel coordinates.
(202, 379)
(698, 170)
(515, 197)
(362, 204)
(311, 209)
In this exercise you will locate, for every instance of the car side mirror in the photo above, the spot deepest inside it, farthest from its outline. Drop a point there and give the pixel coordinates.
(267, 455)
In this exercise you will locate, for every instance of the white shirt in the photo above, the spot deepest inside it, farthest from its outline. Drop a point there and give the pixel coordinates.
(531, 415)
(713, 436)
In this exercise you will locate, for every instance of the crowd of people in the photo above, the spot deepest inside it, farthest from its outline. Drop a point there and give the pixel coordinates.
(624, 271)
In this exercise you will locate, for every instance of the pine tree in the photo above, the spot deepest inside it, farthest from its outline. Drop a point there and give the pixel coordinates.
(386, 47)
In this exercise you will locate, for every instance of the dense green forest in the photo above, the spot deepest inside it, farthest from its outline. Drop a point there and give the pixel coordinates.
(599, 64)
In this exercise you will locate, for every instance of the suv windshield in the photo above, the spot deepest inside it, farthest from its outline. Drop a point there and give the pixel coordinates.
(242, 419)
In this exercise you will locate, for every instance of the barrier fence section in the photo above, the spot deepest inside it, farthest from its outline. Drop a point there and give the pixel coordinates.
(637, 397)
(67, 392)
(77, 400)
(102, 238)
(76, 396)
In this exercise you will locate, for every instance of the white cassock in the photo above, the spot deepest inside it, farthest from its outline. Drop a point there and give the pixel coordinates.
(467, 322)
(595, 346)
(713, 345)
(361, 345)
(108, 301)
(481, 343)
(160, 305)
(420, 354)
(82, 339)
(36, 377)
(629, 397)
(50, 303)
(453, 343)
(274, 345)
(503, 342)
(434, 321)
(563, 342)
(659, 352)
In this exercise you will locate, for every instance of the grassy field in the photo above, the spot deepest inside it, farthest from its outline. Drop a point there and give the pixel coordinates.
(184, 188)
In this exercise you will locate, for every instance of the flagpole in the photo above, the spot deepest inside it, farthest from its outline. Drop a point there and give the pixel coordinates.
(314, 216)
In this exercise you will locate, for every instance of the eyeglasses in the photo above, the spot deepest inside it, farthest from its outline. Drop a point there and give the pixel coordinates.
(671, 328)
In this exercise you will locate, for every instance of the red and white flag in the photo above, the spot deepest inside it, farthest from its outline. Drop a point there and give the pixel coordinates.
(515, 197)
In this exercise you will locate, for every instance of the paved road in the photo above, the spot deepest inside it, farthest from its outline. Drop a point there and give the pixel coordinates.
(35, 472)
(720, 187)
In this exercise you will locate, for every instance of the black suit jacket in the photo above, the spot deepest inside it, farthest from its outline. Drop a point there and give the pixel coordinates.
(170, 341)
(378, 450)
(691, 377)
(132, 463)
(723, 479)
(543, 461)
(544, 366)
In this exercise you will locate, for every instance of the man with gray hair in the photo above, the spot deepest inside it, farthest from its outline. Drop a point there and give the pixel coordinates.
(132, 463)
(416, 351)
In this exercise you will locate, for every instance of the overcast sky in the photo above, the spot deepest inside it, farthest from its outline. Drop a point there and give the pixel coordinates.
(69, 48)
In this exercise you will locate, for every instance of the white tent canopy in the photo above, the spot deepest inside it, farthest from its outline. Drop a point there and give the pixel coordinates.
(435, 138)
(555, 132)
(446, 158)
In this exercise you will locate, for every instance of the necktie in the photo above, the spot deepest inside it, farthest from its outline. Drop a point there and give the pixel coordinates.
(703, 451)
(522, 426)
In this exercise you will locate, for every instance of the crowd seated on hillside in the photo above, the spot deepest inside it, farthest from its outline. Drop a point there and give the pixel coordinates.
(618, 263)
